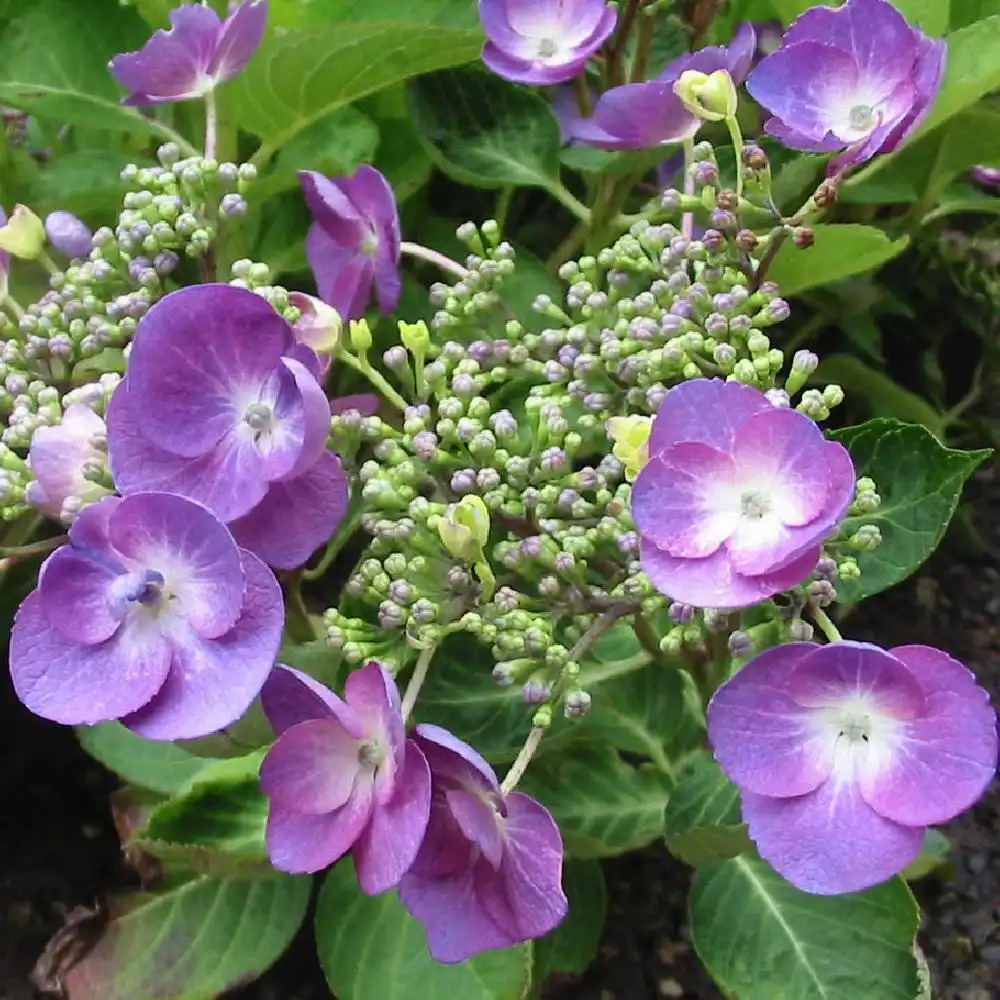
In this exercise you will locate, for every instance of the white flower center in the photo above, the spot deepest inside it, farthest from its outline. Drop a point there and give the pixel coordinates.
(369, 245)
(371, 755)
(260, 418)
(547, 48)
(755, 504)
(865, 738)
(862, 117)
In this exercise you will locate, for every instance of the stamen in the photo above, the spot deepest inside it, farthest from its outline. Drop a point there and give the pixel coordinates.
(259, 417)
(547, 48)
(862, 117)
(755, 503)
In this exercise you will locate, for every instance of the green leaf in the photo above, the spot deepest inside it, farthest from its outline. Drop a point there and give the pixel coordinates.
(372, 949)
(316, 13)
(837, 252)
(161, 767)
(192, 941)
(302, 75)
(703, 821)
(484, 132)
(920, 481)
(85, 182)
(965, 12)
(761, 938)
(572, 946)
(603, 806)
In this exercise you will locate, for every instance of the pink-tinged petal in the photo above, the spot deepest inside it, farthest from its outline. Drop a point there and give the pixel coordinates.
(226, 479)
(74, 684)
(74, 592)
(290, 697)
(311, 768)
(213, 681)
(684, 500)
(829, 841)
(457, 926)
(308, 358)
(334, 211)
(299, 843)
(947, 756)
(173, 64)
(191, 549)
(388, 846)
(712, 582)
(199, 357)
(501, 34)
(241, 35)
(372, 694)
(525, 898)
(91, 528)
(856, 671)
(641, 116)
(296, 516)
(533, 71)
(344, 276)
(57, 456)
(927, 79)
(439, 744)
(708, 411)
(763, 739)
(446, 851)
(478, 821)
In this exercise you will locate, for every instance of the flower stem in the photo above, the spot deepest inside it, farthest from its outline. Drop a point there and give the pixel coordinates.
(569, 201)
(17, 553)
(687, 220)
(523, 759)
(211, 125)
(13, 305)
(826, 626)
(433, 257)
(345, 531)
(737, 136)
(417, 679)
(376, 378)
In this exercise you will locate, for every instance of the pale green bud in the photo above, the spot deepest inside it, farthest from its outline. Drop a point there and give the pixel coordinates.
(712, 96)
(24, 234)
(465, 528)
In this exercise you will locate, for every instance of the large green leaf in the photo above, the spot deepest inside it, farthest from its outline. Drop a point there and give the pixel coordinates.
(571, 947)
(838, 251)
(920, 481)
(965, 12)
(314, 13)
(161, 767)
(761, 938)
(302, 75)
(86, 182)
(372, 949)
(192, 941)
(485, 132)
(603, 805)
(703, 821)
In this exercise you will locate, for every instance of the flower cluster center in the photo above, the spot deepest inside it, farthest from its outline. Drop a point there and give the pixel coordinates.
(862, 117)
(755, 504)
(259, 417)
(547, 48)
(145, 587)
(371, 755)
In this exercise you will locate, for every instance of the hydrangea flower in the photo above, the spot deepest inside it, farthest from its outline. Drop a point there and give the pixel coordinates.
(152, 615)
(844, 753)
(645, 115)
(489, 873)
(353, 243)
(61, 457)
(222, 405)
(194, 56)
(737, 495)
(543, 41)
(68, 234)
(985, 175)
(342, 776)
(856, 78)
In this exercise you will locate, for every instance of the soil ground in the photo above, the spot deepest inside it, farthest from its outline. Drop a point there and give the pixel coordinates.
(58, 848)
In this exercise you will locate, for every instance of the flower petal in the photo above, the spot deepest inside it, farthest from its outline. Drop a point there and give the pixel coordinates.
(449, 755)
(57, 456)
(762, 738)
(335, 213)
(241, 35)
(74, 592)
(638, 116)
(478, 821)
(290, 697)
(344, 276)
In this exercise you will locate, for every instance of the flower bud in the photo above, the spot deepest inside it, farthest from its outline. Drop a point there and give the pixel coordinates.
(415, 337)
(319, 325)
(712, 97)
(465, 528)
(23, 235)
(361, 335)
(631, 442)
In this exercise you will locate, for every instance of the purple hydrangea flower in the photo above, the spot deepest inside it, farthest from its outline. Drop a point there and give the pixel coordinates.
(68, 234)
(987, 176)
(844, 753)
(194, 56)
(856, 78)
(489, 873)
(543, 41)
(645, 115)
(737, 495)
(152, 615)
(343, 776)
(59, 457)
(222, 405)
(353, 243)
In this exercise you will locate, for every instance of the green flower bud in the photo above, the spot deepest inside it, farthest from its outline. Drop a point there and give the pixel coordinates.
(361, 335)
(24, 234)
(465, 528)
(712, 97)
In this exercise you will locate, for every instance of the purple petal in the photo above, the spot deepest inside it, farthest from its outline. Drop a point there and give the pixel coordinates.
(74, 593)
(439, 745)
(531, 71)
(311, 768)
(706, 410)
(300, 843)
(290, 697)
(829, 841)
(741, 52)
(68, 234)
(75, 684)
(333, 209)
(57, 456)
(241, 35)
(173, 64)
(762, 738)
(213, 681)
(683, 500)
(712, 582)
(388, 846)
(372, 694)
(478, 821)
(344, 275)
(199, 358)
(91, 528)
(638, 116)
(297, 516)
(193, 551)
(948, 755)
(788, 136)
(456, 924)
(446, 851)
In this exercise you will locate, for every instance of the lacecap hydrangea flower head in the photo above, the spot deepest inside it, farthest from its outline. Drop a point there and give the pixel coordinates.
(737, 495)
(856, 78)
(223, 405)
(152, 615)
(845, 753)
